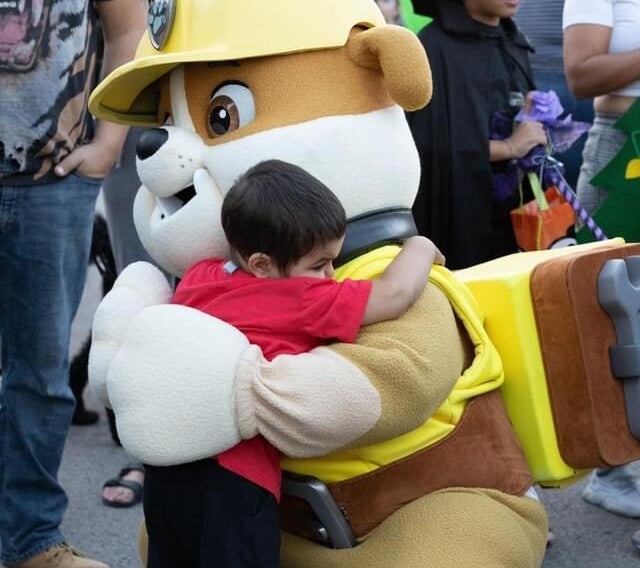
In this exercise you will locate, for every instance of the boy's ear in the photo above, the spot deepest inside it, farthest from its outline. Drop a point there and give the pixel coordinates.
(261, 265)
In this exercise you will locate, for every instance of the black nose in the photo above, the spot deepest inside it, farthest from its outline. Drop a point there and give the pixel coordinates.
(150, 142)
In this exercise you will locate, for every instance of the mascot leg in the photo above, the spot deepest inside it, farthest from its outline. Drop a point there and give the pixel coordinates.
(453, 528)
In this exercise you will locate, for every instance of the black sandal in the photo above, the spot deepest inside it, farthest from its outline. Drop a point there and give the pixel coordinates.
(120, 481)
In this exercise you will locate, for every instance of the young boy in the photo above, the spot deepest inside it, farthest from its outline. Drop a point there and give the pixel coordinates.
(285, 228)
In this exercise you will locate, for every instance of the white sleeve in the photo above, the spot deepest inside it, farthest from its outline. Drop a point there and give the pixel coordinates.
(587, 12)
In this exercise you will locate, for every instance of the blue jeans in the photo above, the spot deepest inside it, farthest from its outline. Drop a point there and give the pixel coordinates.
(45, 239)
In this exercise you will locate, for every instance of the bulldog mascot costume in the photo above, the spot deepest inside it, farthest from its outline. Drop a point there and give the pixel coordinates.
(399, 449)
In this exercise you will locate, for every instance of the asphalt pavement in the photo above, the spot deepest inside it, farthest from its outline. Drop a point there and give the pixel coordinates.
(586, 536)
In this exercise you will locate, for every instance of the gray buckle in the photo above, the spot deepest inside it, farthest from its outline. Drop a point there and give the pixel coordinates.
(331, 528)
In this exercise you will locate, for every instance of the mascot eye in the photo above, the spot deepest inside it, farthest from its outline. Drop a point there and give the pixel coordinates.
(231, 107)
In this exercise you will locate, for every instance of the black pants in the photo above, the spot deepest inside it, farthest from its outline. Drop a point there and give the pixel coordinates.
(200, 515)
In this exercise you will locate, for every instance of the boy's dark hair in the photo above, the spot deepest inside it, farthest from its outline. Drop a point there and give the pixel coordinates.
(281, 210)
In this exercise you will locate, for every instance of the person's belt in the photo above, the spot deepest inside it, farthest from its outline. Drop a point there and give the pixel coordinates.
(482, 451)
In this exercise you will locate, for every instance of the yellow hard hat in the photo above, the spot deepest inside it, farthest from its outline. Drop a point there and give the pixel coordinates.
(184, 31)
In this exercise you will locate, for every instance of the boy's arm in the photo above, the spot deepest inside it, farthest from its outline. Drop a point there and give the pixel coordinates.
(403, 282)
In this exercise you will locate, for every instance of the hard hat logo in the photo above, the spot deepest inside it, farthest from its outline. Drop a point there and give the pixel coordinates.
(159, 21)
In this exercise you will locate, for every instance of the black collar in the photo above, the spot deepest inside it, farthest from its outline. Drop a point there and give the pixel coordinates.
(373, 230)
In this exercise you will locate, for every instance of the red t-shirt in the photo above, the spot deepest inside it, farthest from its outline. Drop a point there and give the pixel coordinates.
(281, 316)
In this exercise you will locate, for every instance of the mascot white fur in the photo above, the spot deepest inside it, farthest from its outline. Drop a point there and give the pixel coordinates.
(419, 454)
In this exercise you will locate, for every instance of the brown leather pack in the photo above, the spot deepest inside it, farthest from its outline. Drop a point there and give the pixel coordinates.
(575, 335)
(482, 451)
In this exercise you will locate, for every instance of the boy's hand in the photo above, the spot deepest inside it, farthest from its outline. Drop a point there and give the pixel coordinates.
(420, 243)
(438, 257)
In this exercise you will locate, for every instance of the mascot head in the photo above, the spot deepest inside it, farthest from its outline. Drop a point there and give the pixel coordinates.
(319, 83)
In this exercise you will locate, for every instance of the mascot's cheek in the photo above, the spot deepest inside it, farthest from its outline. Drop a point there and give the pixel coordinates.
(172, 241)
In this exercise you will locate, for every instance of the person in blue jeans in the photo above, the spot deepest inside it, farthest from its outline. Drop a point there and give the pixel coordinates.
(52, 162)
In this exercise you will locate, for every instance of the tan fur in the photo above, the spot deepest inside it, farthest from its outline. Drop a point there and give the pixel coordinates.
(287, 78)
(384, 73)
(454, 528)
(385, 350)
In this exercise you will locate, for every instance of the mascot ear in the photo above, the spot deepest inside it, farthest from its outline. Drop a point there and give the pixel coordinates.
(398, 53)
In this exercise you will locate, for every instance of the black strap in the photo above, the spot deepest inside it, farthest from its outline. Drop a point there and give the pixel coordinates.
(370, 231)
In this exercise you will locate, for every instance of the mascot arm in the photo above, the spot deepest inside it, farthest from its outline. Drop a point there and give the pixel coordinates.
(388, 383)
(306, 405)
(185, 385)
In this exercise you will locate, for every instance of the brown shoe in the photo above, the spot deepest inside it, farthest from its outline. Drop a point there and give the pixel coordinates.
(60, 556)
